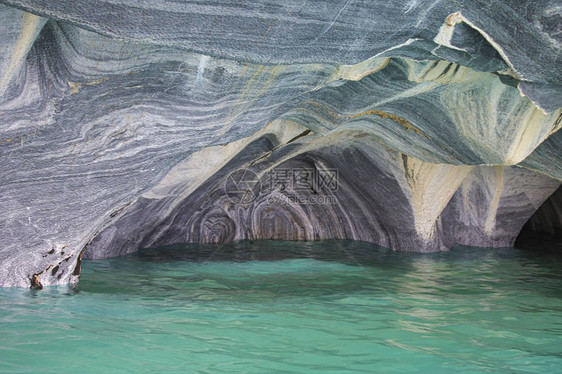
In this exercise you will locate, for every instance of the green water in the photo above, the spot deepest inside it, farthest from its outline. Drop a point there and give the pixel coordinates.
(266, 307)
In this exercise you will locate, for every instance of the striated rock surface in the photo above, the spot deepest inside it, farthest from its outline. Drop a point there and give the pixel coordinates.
(416, 125)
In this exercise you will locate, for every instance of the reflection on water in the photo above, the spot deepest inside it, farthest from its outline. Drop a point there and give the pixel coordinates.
(293, 307)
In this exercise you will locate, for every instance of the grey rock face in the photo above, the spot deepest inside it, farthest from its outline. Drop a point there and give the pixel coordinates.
(492, 205)
(132, 125)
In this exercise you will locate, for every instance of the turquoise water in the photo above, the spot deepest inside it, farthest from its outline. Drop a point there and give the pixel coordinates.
(266, 307)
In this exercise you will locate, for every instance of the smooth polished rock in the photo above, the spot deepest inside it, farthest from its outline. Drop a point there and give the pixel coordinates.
(120, 123)
(492, 205)
(401, 202)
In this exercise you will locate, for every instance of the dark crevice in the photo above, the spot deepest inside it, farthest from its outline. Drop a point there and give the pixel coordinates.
(543, 231)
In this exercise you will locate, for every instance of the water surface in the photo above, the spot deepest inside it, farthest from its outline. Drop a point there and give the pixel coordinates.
(286, 307)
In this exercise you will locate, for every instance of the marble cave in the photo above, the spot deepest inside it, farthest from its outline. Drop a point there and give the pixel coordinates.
(416, 125)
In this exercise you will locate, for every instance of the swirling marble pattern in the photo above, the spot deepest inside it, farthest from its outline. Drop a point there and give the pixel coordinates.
(121, 123)
(401, 202)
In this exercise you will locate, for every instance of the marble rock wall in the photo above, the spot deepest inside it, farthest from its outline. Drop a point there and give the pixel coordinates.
(412, 124)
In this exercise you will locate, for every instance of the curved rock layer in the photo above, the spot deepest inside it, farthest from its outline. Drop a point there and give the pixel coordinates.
(350, 189)
(415, 124)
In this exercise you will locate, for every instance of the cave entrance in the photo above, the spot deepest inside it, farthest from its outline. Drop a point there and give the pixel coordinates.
(543, 231)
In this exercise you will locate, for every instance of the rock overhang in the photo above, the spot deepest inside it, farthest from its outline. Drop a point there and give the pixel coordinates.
(121, 123)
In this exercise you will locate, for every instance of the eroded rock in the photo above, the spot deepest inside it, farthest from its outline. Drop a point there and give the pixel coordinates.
(121, 124)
